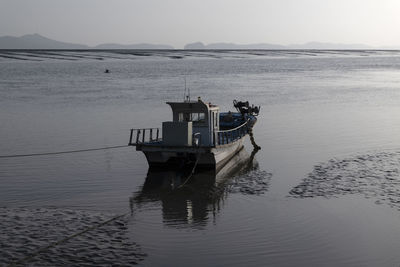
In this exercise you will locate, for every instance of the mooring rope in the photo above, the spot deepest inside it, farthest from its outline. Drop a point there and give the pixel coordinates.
(253, 142)
(193, 170)
(191, 173)
(60, 152)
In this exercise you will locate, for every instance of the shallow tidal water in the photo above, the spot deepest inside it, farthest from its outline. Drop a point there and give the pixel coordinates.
(322, 191)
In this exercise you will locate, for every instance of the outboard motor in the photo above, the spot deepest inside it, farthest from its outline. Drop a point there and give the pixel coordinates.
(244, 108)
(254, 110)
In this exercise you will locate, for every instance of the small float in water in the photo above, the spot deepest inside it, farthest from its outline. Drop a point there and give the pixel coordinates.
(198, 134)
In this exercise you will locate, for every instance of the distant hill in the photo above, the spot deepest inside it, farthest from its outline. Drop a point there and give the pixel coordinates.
(35, 41)
(194, 46)
(133, 46)
(318, 45)
(232, 46)
(310, 45)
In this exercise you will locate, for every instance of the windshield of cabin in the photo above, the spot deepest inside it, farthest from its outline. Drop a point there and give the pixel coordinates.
(195, 117)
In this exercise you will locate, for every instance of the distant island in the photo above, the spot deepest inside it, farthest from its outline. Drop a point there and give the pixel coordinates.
(133, 46)
(200, 45)
(37, 41)
(310, 45)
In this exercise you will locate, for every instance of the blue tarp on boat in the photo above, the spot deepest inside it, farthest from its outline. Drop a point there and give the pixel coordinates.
(230, 120)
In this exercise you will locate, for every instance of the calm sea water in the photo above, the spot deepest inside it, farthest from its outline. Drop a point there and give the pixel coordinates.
(324, 190)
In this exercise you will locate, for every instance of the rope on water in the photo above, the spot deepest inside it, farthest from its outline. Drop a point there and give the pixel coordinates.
(60, 152)
(31, 256)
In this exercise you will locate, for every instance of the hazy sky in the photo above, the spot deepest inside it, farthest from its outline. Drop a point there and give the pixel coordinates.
(177, 22)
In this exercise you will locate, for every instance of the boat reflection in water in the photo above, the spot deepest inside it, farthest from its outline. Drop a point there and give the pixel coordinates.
(191, 202)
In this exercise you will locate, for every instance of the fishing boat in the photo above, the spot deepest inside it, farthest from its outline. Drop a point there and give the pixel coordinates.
(199, 134)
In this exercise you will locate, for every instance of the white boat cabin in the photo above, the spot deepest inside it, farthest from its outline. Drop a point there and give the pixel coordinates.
(191, 118)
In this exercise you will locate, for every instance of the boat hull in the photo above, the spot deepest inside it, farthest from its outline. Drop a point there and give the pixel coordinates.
(159, 156)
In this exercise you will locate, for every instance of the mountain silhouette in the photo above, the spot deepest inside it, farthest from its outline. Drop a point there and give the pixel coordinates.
(37, 41)
(309, 45)
(232, 46)
(133, 46)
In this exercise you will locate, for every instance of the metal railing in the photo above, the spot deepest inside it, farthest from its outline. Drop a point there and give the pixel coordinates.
(152, 135)
(231, 135)
(145, 135)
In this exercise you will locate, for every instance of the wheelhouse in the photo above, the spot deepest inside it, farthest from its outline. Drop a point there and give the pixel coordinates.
(190, 119)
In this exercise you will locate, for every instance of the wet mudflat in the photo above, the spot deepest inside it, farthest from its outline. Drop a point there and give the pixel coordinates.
(372, 175)
(45, 237)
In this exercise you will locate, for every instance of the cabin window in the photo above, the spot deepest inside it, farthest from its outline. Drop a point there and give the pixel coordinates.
(184, 117)
(202, 117)
(199, 117)
(195, 117)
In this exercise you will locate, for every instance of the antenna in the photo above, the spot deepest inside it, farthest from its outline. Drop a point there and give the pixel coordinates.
(186, 95)
(184, 92)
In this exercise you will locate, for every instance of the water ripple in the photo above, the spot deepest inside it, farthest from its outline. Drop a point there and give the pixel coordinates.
(255, 182)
